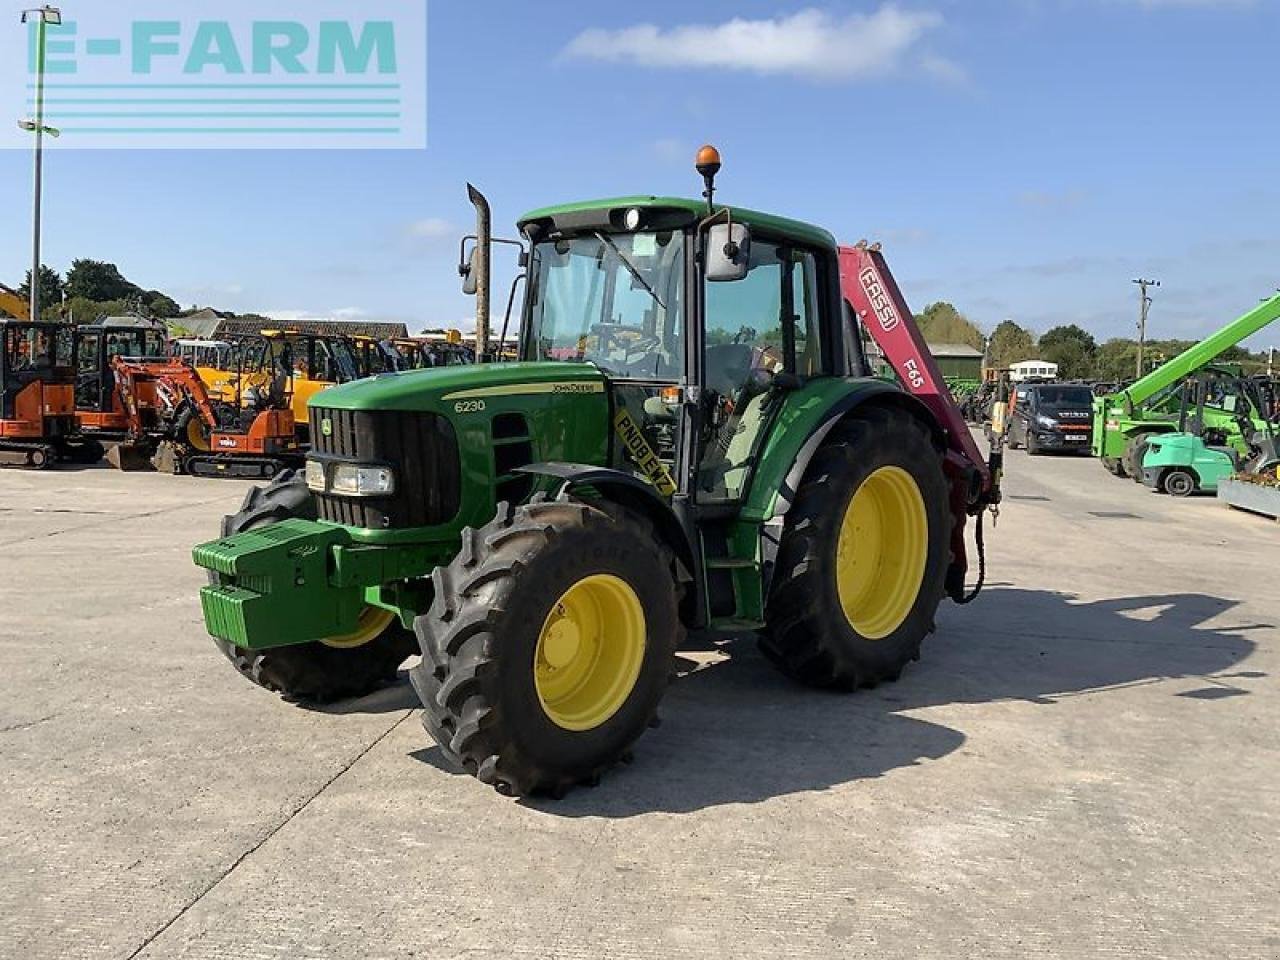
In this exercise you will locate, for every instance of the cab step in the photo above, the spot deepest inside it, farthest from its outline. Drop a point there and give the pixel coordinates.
(735, 625)
(731, 563)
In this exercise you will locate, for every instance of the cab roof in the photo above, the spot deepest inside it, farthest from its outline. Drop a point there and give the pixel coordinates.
(697, 209)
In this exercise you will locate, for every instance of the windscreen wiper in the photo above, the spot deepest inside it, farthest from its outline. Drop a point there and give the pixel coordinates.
(631, 269)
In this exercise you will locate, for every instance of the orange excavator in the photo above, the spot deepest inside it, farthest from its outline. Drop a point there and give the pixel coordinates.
(254, 436)
(38, 424)
(99, 406)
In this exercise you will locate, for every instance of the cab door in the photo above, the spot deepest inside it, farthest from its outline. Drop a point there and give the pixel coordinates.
(760, 337)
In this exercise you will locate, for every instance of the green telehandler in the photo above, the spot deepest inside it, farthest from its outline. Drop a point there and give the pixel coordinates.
(690, 440)
(1123, 422)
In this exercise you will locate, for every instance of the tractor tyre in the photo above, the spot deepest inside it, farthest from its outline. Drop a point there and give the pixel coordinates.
(1179, 483)
(1114, 466)
(1134, 452)
(864, 555)
(548, 644)
(324, 670)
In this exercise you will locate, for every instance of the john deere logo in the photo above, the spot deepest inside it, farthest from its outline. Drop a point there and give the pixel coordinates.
(326, 427)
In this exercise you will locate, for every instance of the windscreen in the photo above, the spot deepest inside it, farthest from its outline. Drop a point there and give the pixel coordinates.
(32, 348)
(615, 300)
(1066, 396)
(135, 343)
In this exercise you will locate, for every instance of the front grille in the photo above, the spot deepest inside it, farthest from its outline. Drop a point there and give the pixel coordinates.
(421, 448)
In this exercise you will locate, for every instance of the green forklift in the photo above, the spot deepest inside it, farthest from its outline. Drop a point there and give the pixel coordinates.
(1197, 457)
(689, 440)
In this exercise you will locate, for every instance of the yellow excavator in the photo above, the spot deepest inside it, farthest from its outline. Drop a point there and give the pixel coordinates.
(13, 304)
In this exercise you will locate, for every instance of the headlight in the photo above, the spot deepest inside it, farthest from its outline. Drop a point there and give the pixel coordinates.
(1046, 421)
(315, 476)
(354, 480)
(350, 479)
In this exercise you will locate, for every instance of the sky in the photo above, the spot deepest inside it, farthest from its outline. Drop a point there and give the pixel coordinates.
(1023, 159)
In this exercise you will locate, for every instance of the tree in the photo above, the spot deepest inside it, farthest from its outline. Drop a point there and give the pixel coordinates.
(98, 281)
(1069, 333)
(159, 305)
(943, 323)
(50, 288)
(1074, 362)
(1115, 360)
(1072, 348)
(1010, 344)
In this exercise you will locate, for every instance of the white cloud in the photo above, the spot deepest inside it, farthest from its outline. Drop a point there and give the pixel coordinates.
(432, 228)
(811, 43)
(671, 150)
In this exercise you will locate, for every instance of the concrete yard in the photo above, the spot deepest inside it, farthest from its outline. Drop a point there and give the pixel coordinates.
(1085, 763)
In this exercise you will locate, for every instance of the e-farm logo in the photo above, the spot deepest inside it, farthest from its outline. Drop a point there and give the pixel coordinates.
(316, 75)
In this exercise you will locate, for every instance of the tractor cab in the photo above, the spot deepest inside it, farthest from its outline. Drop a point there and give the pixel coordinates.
(700, 330)
(37, 396)
(374, 356)
(320, 361)
(99, 406)
(316, 362)
(209, 358)
(434, 348)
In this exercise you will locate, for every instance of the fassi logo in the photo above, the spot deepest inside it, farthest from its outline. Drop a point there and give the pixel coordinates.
(880, 301)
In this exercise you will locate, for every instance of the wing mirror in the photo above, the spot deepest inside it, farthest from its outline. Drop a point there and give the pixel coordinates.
(728, 252)
(470, 273)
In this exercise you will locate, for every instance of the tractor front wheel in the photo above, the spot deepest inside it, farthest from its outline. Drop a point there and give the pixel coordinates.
(863, 559)
(336, 668)
(548, 644)
(1179, 483)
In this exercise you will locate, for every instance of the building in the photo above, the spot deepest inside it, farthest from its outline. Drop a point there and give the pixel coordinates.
(957, 361)
(1033, 370)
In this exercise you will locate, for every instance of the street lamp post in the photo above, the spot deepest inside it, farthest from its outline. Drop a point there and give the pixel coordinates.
(44, 16)
(1142, 319)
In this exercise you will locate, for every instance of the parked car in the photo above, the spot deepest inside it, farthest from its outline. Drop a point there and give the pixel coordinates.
(1051, 416)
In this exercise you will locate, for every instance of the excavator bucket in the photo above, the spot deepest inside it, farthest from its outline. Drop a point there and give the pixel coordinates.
(165, 459)
(129, 457)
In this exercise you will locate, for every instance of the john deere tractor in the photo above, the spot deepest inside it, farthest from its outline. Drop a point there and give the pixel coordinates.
(689, 440)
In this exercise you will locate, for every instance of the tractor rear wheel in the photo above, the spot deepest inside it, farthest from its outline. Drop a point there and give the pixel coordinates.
(548, 644)
(864, 555)
(1134, 453)
(1114, 466)
(336, 668)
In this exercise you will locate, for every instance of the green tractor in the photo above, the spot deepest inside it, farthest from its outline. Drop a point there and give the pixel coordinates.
(690, 440)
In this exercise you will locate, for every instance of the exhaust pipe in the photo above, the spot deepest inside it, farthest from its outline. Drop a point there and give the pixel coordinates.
(481, 269)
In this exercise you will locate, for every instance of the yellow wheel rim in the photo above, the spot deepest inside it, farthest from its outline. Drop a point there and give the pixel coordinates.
(195, 435)
(881, 552)
(373, 620)
(589, 652)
